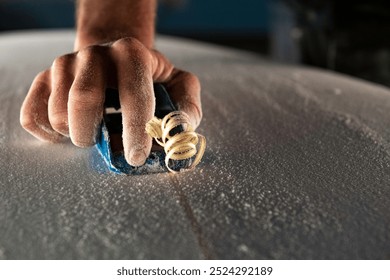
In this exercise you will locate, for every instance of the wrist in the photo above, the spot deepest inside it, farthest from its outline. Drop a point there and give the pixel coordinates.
(97, 35)
(101, 21)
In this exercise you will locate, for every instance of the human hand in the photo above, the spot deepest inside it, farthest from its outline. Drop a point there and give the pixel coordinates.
(67, 99)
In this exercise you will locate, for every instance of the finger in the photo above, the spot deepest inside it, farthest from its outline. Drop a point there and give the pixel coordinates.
(62, 76)
(162, 69)
(184, 89)
(33, 114)
(135, 85)
(86, 96)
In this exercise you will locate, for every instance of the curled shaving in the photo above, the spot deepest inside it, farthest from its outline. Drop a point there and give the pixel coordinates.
(181, 145)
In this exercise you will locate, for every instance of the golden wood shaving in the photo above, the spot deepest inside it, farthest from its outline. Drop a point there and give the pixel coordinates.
(180, 146)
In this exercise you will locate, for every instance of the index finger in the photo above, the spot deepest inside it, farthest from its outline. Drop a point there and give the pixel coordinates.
(135, 85)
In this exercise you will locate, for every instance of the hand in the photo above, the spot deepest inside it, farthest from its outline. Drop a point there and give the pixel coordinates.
(67, 99)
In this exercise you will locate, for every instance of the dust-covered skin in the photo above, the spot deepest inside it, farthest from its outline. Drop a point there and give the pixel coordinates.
(67, 99)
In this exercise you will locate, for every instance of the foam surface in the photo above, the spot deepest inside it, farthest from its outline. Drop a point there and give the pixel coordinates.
(297, 167)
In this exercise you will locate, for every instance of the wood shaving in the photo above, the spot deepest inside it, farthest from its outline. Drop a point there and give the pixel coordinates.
(180, 146)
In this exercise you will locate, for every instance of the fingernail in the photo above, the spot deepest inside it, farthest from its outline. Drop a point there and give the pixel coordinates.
(137, 157)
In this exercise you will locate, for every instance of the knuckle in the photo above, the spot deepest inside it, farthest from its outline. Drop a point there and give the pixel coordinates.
(26, 118)
(58, 121)
(132, 48)
(162, 68)
(126, 43)
(85, 96)
(42, 77)
(63, 62)
(61, 128)
(90, 53)
(27, 122)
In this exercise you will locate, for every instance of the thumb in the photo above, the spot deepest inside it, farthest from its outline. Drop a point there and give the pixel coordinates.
(184, 90)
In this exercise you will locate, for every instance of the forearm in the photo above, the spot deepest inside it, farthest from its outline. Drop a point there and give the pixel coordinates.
(100, 21)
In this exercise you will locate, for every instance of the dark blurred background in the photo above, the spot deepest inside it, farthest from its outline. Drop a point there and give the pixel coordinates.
(351, 37)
